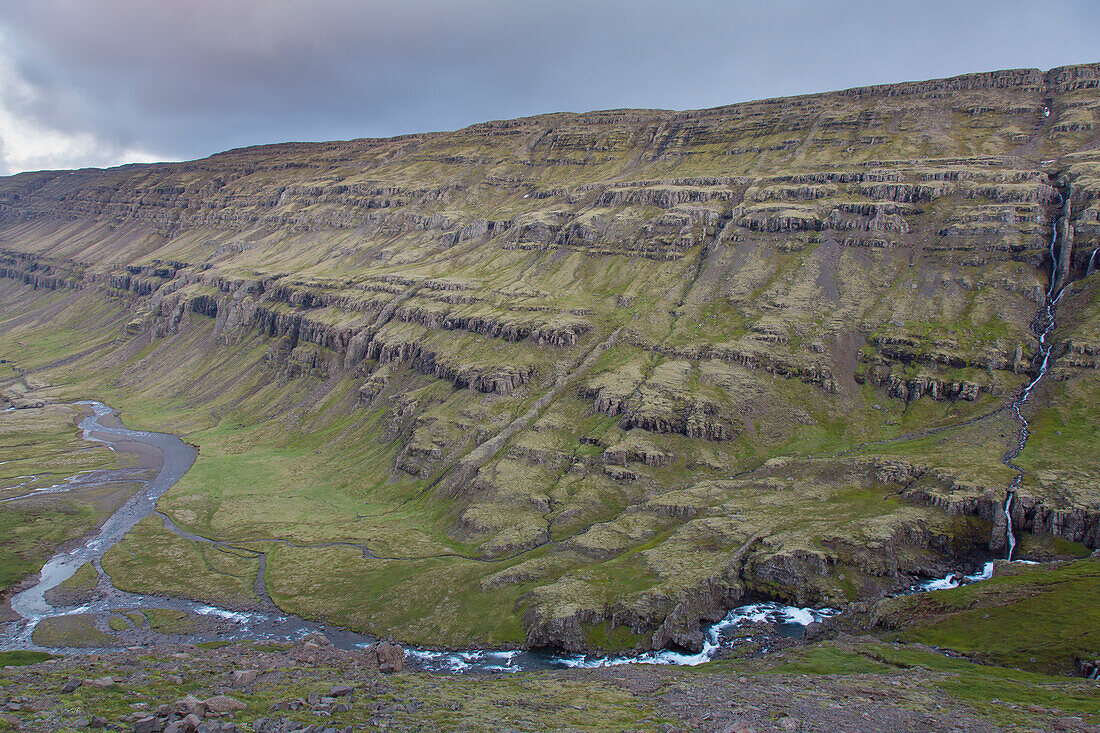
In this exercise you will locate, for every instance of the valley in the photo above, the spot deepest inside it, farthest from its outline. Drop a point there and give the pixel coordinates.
(581, 382)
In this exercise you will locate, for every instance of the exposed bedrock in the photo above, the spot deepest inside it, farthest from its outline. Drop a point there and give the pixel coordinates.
(673, 616)
(1031, 514)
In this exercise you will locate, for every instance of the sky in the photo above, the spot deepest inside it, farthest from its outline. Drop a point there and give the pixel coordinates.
(105, 82)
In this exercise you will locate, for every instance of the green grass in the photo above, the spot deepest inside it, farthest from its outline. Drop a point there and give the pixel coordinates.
(167, 621)
(77, 630)
(733, 331)
(297, 458)
(986, 688)
(22, 658)
(1061, 456)
(829, 659)
(1036, 618)
(617, 638)
(30, 537)
(199, 571)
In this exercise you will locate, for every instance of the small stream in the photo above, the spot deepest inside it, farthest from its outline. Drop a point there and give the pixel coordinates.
(1044, 326)
(759, 623)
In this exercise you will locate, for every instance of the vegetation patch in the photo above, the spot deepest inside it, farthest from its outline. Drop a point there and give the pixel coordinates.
(1034, 617)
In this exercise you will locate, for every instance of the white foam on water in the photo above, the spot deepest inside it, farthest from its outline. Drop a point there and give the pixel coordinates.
(954, 580)
(459, 662)
(984, 574)
(238, 617)
(456, 662)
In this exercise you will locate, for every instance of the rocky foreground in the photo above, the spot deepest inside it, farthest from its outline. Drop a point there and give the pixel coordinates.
(869, 686)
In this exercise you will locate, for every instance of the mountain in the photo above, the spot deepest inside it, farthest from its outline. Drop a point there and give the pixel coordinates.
(587, 380)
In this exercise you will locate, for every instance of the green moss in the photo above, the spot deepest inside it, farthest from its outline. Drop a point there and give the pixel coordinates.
(614, 638)
(138, 563)
(729, 333)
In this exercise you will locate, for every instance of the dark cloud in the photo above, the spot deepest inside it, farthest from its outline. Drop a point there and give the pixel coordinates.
(188, 78)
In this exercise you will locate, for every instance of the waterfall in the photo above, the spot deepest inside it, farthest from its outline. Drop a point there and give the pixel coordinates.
(1091, 268)
(1043, 326)
(1010, 536)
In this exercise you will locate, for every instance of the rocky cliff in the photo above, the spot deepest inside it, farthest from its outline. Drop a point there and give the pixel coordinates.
(796, 286)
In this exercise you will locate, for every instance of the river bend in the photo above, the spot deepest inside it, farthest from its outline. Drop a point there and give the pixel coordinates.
(272, 624)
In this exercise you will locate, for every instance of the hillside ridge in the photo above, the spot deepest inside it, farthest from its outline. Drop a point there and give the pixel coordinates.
(567, 366)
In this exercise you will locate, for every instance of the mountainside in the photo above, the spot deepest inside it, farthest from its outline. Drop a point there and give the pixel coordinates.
(585, 380)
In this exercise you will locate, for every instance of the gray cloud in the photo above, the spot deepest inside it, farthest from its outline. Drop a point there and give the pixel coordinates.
(183, 79)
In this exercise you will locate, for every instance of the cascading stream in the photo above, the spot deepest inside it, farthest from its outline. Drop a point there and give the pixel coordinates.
(1010, 537)
(1044, 326)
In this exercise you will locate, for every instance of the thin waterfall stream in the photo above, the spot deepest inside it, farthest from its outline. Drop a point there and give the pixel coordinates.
(1043, 326)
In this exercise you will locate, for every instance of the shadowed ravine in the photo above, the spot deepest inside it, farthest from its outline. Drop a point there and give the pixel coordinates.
(272, 624)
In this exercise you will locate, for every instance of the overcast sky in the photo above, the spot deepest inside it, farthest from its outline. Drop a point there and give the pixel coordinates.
(102, 82)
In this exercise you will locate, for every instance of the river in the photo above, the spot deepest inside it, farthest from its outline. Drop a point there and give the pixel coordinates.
(767, 622)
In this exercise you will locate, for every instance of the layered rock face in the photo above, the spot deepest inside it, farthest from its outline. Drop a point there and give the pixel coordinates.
(786, 280)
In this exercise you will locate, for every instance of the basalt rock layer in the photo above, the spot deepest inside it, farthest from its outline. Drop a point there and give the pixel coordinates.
(628, 367)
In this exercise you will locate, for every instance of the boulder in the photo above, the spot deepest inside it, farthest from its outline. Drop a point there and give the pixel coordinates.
(148, 724)
(217, 726)
(692, 640)
(739, 726)
(341, 690)
(189, 724)
(315, 639)
(814, 630)
(243, 677)
(192, 705)
(389, 657)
